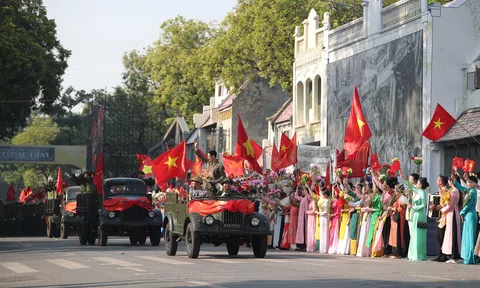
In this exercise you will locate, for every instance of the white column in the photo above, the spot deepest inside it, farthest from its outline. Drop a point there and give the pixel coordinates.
(373, 16)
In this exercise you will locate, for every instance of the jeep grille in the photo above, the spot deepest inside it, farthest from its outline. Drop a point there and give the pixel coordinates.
(232, 220)
(135, 214)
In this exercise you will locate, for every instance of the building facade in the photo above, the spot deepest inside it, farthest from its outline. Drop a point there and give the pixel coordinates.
(404, 59)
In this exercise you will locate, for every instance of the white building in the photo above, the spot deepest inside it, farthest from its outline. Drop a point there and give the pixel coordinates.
(404, 59)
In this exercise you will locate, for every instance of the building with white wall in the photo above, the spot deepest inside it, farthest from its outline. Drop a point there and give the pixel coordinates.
(404, 59)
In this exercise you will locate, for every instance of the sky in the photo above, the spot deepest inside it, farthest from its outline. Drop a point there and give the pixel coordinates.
(99, 32)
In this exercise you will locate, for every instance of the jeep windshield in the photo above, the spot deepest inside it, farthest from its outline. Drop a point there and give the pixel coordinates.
(72, 193)
(126, 189)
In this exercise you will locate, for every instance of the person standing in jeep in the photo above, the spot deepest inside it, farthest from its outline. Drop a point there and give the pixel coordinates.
(214, 167)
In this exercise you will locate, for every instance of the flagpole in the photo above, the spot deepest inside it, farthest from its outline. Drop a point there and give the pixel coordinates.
(468, 133)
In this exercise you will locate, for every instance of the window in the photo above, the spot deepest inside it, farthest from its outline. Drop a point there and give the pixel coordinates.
(220, 90)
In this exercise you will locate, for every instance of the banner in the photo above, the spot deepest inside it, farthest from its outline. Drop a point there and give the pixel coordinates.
(206, 207)
(317, 155)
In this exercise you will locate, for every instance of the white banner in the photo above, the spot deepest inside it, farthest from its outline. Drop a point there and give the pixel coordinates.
(308, 155)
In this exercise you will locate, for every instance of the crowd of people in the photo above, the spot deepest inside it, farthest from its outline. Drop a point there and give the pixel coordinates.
(380, 216)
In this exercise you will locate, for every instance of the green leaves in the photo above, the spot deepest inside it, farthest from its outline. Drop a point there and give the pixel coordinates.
(32, 61)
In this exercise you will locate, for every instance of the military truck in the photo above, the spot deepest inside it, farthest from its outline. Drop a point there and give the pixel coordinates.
(182, 223)
(70, 220)
(124, 209)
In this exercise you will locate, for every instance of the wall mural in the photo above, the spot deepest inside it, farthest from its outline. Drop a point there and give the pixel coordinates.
(389, 81)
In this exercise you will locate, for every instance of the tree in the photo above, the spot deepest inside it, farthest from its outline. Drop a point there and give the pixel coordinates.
(32, 61)
(173, 69)
(41, 131)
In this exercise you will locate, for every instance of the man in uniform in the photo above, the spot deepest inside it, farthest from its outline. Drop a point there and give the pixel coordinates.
(227, 190)
(196, 188)
(215, 168)
(87, 186)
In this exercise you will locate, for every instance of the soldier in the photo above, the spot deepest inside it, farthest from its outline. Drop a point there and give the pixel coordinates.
(50, 188)
(227, 190)
(196, 188)
(87, 185)
(215, 168)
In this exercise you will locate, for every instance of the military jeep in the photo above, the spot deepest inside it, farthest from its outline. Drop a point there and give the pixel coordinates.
(53, 215)
(124, 209)
(231, 228)
(70, 220)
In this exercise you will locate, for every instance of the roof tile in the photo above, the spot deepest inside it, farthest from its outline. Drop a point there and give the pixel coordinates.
(286, 114)
(470, 120)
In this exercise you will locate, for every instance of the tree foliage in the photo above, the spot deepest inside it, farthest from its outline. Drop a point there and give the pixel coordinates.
(41, 131)
(32, 61)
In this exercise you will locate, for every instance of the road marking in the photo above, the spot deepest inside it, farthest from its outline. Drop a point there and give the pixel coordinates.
(132, 268)
(432, 277)
(67, 264)
(224, 261)
(163, 260)
(273, 260)
(205, 284)
(18, 268)
(118, 262)
(318, 264)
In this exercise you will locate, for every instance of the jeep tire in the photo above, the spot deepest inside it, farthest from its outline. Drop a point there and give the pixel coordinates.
(171, 243)
(63, 230)
(84, 229)
(259, 246)
(233, 245)
(142, 237)
(102, 236)
(154, 235)
(192, 239)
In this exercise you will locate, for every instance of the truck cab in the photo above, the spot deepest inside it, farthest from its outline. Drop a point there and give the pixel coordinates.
(123, 209)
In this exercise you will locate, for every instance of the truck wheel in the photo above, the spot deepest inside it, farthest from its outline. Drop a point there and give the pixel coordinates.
(193, 242)
(133, 238)
(233, 245)
(83, 235)
(171, 243)
(63, 231)
(259, 245)
(49, 228)
(102, 236)
(56, 231)
(154, 235)
(142, 238)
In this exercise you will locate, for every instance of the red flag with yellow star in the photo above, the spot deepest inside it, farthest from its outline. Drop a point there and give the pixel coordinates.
(441, 122)
(234, 165)
(245, 147)
(357, 131)
(145, 163)
(171, 164)
(468, 165)
(98, 177)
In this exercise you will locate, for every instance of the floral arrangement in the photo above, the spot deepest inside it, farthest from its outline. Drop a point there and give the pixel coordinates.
(382, 177)
(338, 172)
(305, 179)
(349, 171)
(395, 160)
(205, 175)
(367, 171)
(417, 160)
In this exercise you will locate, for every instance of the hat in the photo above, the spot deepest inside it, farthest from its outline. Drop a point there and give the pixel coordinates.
(473, 179)
(196, 179)
(227, 180)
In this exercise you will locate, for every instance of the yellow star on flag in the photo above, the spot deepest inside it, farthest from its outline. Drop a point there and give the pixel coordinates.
(171, 162)
(284, 148)
(249, 148)
(360, 124)
(438, 124)
(147, 169)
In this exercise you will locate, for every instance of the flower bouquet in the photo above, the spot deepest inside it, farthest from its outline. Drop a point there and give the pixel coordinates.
(349, 171)
(305, 179)
(418, 162)
(338, 172)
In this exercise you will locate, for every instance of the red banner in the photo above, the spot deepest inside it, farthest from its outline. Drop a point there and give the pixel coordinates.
(206, 207)
(71, 207)
(121, 204)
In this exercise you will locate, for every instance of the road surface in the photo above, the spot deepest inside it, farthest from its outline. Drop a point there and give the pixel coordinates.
(42, 262)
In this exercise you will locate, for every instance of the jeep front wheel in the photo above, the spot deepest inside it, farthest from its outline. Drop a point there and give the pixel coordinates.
(259, 246)
(233, 245)
(193, 242)
(154, 235)
(84, 229)
(63, 230)
(102, 235)
(171, 243)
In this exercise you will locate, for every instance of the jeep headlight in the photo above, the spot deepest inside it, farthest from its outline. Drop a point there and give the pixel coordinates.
(111, 214)
(151, 214)
(70, 214)
(255, 222)
(209, 220)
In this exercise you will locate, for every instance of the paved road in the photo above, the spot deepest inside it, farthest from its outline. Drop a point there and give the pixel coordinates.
(41, 262)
